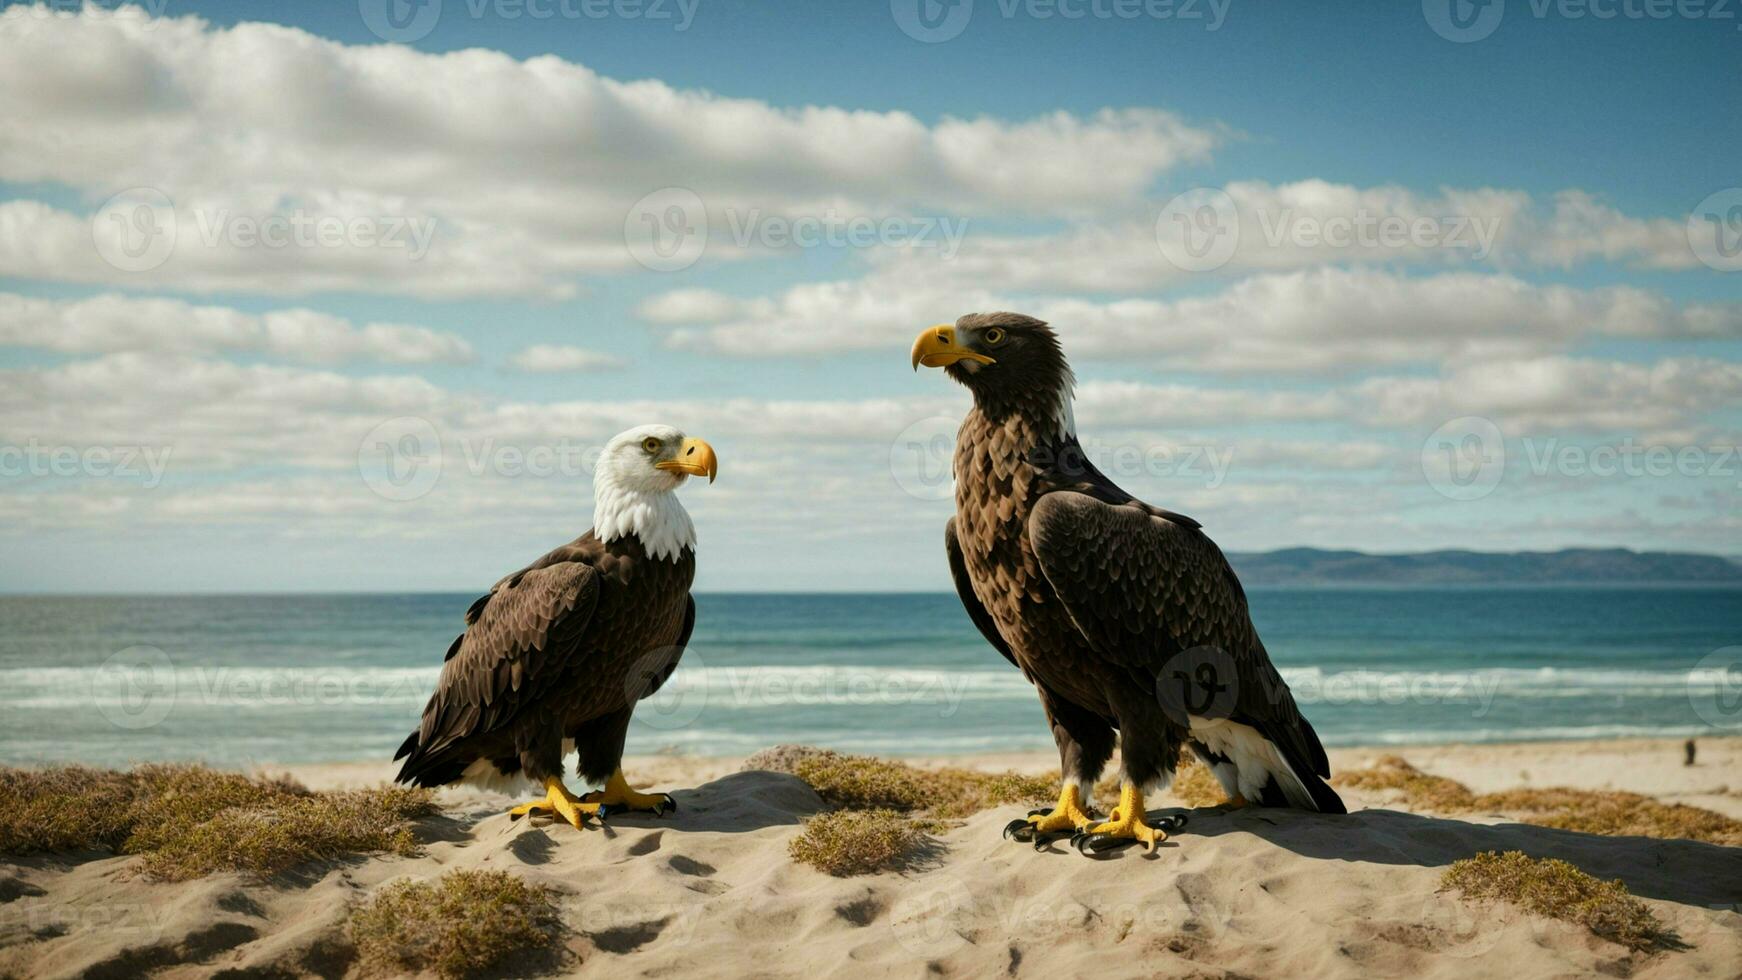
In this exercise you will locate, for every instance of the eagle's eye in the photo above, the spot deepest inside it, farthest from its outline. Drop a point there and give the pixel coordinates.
(650, 444)
(994, 336)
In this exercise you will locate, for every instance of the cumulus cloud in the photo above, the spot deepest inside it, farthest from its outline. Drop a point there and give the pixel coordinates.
(526, 171)
(1266, 227)
(682, 306)
(288, 163)
(288, 451)
(208, 243)
(218, 415)
(560, 358)
(1564, 394)
(210, 413)
(1308, 321)
(111, 324)
(1346, 323)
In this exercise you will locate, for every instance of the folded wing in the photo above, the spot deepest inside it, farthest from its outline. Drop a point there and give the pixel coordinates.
(518, 640)
(1153, 594)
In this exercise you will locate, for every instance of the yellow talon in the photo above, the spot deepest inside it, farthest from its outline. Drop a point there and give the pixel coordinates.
(618, 796)
(559, 801)
(1126, 821)
(1067, 816)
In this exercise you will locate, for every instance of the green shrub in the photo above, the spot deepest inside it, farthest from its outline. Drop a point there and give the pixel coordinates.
(1551, 887)
(189, 821)
(1607, 812)
(856, 842)
(464, 923)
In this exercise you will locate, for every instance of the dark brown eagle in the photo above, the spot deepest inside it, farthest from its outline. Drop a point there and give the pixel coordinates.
(558, 653)
(1124, 616)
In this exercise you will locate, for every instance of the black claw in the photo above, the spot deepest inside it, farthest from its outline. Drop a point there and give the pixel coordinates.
(604, 811)
(1094, 845)
(1020, 830)
(1173, 821)
(667, 805)
(1039, 813)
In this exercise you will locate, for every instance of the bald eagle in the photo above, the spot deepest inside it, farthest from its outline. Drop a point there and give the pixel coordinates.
(1125, 616)
(558, 653)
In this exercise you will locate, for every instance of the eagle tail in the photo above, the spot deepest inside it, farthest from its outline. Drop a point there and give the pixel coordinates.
(1310, 791)
(1307, 792)
(1252, 762)
(423, 768)
(1325, 799)
(431, 771)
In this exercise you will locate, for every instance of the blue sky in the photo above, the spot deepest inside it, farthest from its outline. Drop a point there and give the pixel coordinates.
(1294, 393)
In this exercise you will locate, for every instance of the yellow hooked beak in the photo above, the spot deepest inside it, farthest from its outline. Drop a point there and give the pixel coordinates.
(694, 457)
(937, 347)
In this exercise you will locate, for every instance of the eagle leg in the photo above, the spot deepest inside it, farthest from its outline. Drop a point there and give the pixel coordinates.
(1067, 817)
(559, 802)
(1124, 827)
(618, 796)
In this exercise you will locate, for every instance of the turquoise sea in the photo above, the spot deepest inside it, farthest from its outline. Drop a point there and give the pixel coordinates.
(312, 678)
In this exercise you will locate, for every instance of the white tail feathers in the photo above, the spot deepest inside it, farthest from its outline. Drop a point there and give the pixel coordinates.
(1252, 761)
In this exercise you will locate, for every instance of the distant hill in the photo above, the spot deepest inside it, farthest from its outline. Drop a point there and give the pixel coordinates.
(1312, 566)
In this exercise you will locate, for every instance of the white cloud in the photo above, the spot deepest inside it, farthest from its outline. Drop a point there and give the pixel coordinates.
(1309, 223)
(219, 416)
(1583, 227)
(277, 450)
(1130, 403)
(210, 414)
(112, 324)
(557, 358)
(1310, 321)
(514, 178)
(526, 170)
(1563, 395)
(1333, 320)
(681, 306)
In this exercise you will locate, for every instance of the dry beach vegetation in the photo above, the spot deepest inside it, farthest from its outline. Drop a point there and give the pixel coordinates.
(1515, 860)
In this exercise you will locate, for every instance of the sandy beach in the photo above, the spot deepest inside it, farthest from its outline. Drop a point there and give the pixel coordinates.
(711, 888)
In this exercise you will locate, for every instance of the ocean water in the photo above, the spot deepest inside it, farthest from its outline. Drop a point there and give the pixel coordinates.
(257, 679)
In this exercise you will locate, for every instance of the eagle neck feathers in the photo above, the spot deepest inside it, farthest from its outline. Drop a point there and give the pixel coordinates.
(656, 518)
(1042, 414)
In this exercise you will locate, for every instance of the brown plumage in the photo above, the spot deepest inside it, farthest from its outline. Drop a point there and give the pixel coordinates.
(563, 649)
(1126, 617)
(560, 650)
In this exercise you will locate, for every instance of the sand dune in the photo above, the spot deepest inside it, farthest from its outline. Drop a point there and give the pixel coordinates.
(710, 890)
